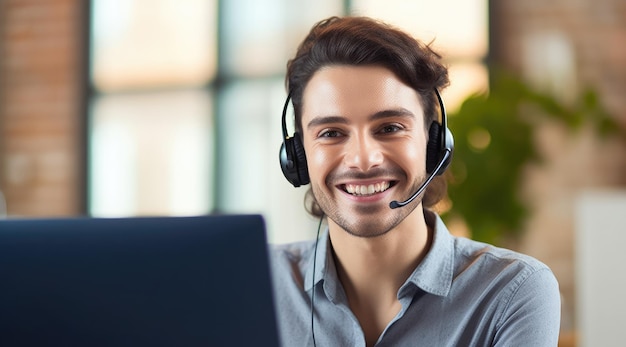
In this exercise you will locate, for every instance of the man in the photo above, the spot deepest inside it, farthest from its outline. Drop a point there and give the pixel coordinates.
(386, 273)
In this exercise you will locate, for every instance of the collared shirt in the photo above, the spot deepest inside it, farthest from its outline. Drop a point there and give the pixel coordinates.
(463, 293)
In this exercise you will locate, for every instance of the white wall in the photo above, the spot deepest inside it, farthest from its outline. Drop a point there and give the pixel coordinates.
(600, 259)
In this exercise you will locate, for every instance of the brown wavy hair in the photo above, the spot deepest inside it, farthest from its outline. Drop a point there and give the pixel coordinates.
(360, 41)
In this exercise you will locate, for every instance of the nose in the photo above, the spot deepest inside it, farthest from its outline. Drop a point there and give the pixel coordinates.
(363, 152)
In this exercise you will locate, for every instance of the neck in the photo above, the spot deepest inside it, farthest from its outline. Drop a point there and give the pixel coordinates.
(380, 263)
(372, 270)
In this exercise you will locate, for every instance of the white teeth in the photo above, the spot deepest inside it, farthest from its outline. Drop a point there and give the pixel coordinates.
(367, 190)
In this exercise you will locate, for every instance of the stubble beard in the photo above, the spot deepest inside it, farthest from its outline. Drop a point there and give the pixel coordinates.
(365, 221)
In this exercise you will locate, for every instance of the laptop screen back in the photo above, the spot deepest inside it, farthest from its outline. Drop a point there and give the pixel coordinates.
(183, 281)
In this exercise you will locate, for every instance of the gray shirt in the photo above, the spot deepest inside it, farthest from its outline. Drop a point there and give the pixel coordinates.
(463, 293)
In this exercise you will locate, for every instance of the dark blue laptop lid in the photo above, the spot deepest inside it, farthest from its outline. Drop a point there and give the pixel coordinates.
(166, 281)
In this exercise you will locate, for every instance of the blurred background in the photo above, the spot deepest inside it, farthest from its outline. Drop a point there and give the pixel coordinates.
(113, 108)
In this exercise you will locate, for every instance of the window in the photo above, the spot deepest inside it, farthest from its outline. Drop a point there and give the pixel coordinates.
(151, 114)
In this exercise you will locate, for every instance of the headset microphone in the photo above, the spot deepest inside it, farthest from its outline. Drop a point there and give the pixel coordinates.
(446, 157)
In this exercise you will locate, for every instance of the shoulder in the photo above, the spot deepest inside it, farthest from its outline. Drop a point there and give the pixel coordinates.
(469, 252)
(526, 292)
(513, 272)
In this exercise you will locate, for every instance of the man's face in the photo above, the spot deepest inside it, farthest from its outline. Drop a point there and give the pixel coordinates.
(364, 138)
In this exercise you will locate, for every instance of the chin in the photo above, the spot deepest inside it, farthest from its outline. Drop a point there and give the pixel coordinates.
(366, 227)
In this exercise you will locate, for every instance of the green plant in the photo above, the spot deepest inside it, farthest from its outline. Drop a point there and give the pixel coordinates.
(494, 141)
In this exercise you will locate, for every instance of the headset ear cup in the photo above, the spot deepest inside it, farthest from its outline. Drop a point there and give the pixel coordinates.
(286, 163)
(300, 156)
(293, 161)
(433, 148)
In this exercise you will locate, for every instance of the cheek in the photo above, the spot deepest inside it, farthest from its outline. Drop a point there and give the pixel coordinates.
(412, 157)
(320, 162)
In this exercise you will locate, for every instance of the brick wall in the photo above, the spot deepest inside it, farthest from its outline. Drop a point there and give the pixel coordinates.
(40, 115)
(565, 46)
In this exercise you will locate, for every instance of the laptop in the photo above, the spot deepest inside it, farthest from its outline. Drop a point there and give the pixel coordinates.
(151, 281)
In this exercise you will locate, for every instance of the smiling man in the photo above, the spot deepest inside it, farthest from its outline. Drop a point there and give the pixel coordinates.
(369, 134)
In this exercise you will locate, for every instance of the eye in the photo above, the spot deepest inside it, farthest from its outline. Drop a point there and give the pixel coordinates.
(390, 128)
(329, 133)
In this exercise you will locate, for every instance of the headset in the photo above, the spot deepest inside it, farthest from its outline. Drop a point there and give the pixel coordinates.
(439, 151)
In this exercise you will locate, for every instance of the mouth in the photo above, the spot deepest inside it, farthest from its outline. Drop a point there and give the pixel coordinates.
(367, 189)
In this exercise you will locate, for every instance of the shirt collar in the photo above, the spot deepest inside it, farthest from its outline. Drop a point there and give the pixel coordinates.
(433, 275)
(323, 261)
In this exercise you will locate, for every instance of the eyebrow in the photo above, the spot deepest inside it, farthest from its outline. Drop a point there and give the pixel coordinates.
(398, 112)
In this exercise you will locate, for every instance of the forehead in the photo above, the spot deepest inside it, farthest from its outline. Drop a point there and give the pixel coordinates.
(349, 91)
